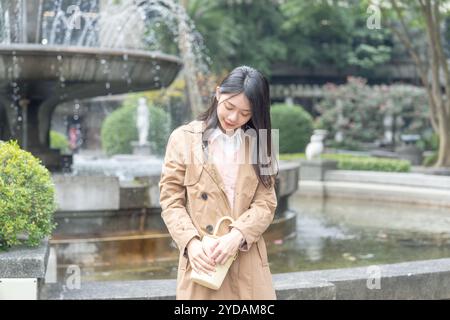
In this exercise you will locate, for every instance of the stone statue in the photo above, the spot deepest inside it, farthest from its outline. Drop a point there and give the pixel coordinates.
(142, 121)
(315, 148)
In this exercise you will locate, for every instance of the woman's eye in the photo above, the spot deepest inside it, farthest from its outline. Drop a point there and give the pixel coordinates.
(245, 114)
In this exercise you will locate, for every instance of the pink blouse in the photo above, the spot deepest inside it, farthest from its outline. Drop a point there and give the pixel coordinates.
(224, 151)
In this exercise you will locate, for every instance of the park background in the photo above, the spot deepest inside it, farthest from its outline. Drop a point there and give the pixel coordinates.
(364, 84)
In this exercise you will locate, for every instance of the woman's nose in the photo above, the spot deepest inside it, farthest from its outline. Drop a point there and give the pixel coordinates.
(233, 117)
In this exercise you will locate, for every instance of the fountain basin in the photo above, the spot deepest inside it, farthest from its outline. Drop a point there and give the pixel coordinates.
(33, 62)
(35, 79)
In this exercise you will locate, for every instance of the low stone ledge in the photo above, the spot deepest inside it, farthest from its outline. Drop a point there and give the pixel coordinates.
(426, 279)
(114, 290)
(86, 193)
(389, 178)
(375, 191)
(289, 286)
(24, 262)
(22, 271)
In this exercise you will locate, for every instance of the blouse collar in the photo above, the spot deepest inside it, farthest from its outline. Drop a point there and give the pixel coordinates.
(235, 137)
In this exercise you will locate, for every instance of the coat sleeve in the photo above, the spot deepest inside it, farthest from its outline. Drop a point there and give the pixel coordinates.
(173, 194)
(254, 221)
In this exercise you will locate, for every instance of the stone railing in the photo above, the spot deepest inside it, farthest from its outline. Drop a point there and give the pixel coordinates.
(429, 279)
(22, 272)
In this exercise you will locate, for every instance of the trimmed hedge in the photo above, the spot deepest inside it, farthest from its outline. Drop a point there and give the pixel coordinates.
(119, 129)
(351, 162)
(26, 198)
(295, 127)
(59, 141)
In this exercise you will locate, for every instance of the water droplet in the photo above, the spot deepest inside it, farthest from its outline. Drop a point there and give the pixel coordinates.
(75, 117)
(107, 85)
(44, 41)
(103, 61)
(125, 57)
(59, 57)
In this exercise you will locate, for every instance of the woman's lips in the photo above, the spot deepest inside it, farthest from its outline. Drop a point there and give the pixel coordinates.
(228, 124)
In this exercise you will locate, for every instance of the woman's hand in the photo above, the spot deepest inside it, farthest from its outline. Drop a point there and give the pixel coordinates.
(227, 246)
(200, 262)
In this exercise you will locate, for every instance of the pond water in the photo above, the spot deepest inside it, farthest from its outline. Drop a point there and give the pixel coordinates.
(331, 234)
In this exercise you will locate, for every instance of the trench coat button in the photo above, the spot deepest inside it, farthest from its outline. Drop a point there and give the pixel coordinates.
(204, 195)
(209, 228)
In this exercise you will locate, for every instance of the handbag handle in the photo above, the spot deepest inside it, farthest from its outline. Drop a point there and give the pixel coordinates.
(216, 229)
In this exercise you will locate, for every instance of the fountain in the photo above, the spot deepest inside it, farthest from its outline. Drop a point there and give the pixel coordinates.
(108, 208)
(142, 147)
(30, 91)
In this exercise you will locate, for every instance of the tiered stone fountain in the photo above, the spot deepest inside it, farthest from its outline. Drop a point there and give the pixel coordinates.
(36, 78)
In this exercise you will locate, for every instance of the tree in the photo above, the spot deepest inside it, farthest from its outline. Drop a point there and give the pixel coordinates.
(406, 17)
(332, 33)
(240, 32)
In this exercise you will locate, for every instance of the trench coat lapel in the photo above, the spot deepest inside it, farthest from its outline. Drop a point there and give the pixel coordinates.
(246, 177)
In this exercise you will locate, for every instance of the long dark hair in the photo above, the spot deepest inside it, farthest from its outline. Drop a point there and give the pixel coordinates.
(255, 87)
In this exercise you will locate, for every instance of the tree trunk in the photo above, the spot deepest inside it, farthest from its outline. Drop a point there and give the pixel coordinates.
(444, 145)
(437, 64)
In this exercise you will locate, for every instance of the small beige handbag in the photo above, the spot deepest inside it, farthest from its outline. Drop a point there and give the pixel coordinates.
(214, 281)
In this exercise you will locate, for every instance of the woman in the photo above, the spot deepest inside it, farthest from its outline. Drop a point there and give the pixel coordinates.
(212, 169)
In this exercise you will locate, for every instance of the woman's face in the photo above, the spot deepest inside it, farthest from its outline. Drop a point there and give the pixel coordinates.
(233, 111)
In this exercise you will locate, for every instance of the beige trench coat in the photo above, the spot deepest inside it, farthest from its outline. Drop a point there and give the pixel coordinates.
(193, 199)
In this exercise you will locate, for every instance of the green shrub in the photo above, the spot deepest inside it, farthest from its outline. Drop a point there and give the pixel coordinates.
(351, 162)
(295, 127)
(372, 164)
(119, 129)
(26, 197)
(358, 112)
(430, 160)
(429, 141)
(59, 141)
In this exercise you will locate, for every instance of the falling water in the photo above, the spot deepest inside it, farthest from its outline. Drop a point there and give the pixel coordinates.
(127, 24)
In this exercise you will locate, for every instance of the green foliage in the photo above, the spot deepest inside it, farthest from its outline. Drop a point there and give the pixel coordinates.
(295, 127)
(264, 33)
(358, 111)
(119, 129)
(59, 141)
(26, 197)
(351, 162)
(239, 32)
(429, 141)
(372, 164)
(333, 33)
(430, 160)
(172, 100)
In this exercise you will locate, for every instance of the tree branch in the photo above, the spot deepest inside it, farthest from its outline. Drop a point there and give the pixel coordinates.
(442, 57)
(405, 38)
